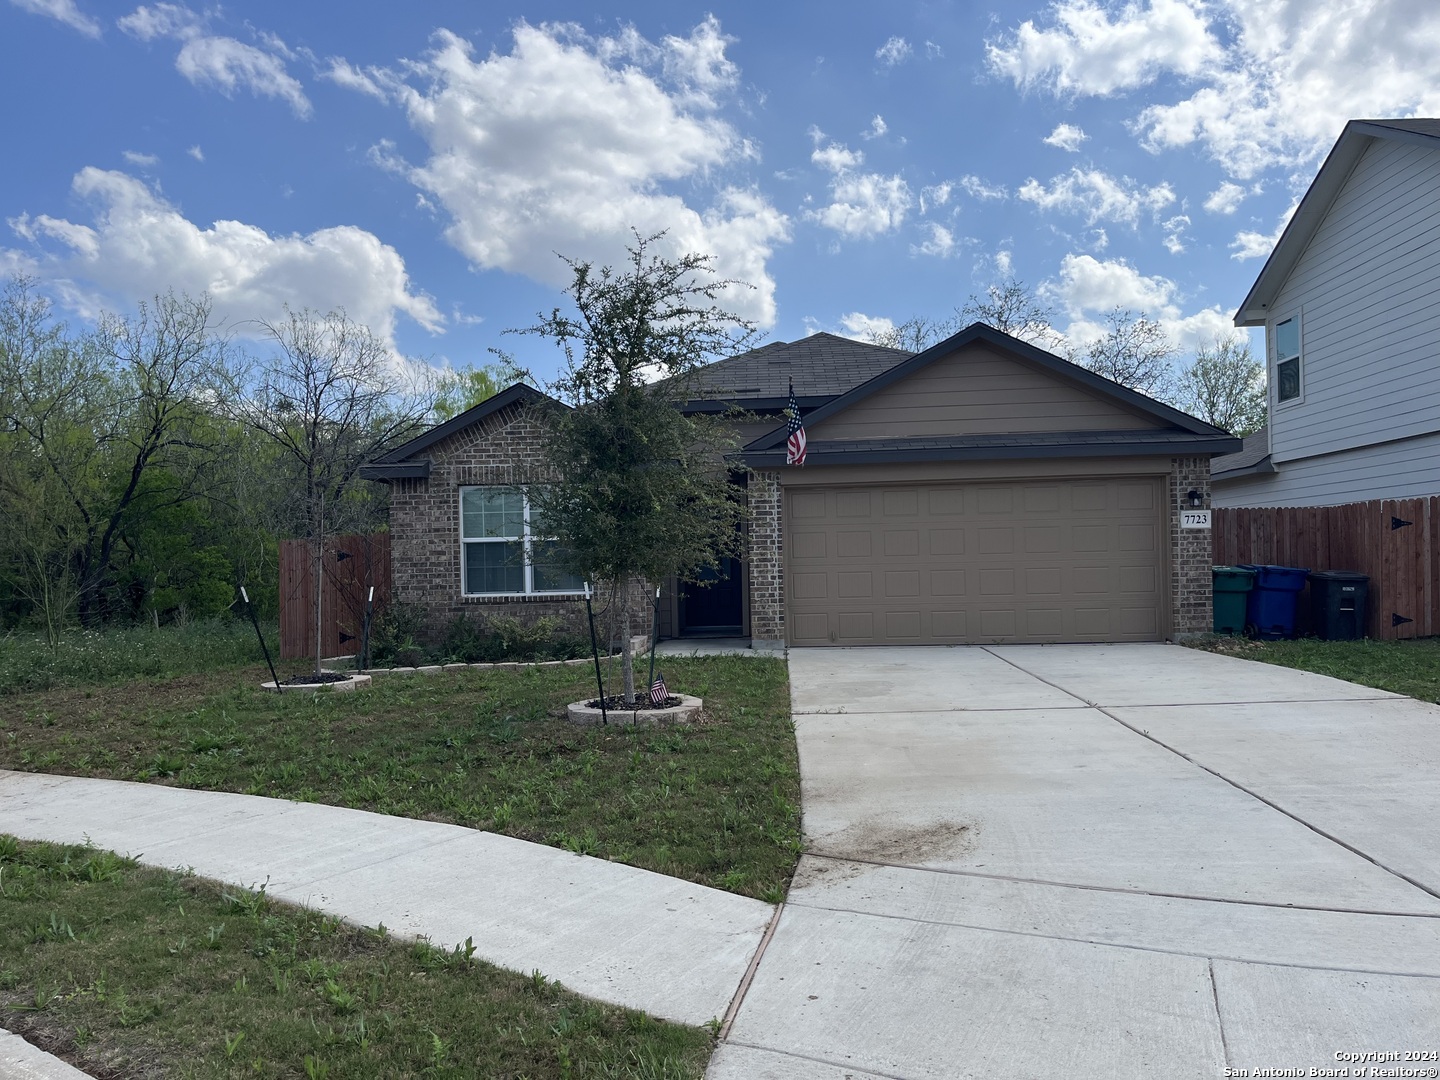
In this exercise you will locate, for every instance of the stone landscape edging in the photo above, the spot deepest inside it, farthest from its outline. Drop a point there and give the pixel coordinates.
(684, 713)
(341, 686)
(640, 645)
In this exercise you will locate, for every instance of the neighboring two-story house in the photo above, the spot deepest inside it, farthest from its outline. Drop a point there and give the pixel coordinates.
(1350, 303)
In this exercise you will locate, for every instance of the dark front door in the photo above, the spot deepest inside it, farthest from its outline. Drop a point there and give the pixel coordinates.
(713, 604)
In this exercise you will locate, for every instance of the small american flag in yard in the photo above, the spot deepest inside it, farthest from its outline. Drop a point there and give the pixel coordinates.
(658, 693)
(795, 444)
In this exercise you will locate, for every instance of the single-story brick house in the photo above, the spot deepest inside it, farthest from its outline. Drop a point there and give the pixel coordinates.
(983, 490)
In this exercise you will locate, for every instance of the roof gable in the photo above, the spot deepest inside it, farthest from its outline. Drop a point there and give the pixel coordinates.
(1110, 406)
(517, 394)
(1354, 140)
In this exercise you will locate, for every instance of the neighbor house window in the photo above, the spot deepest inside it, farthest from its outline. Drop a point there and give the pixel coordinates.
(504, 549)
(1287, 359)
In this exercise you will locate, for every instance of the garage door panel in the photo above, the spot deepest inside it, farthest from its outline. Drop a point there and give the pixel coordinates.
(993, 562)
(807, 504)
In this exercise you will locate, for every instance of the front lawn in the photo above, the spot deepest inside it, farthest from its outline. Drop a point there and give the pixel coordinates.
(717, 803)
(1402, 667)
(134, 972)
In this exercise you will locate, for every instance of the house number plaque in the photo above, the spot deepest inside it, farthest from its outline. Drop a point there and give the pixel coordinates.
(1195, 519)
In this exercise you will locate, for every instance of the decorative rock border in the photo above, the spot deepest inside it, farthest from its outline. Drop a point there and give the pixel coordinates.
(684, 713)
(343, 686)
(641, 645)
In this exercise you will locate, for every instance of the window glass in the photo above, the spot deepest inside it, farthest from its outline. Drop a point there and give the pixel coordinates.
(491, 512)
(549, 577)
(1287, 379)
(495, 567)
(1287, 339)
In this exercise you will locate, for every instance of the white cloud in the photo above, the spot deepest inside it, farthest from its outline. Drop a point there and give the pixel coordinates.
(196, 153)
(1249, 244)
(1086, 51)
(878, 127)
(63, 11)
(979, 189)
(861, 204)
(863, 327)
(940, 242)
(1175, 233)
(1264, 83)
(342, 73)
(935, 195)
(1225, 198)
(1066, 137)
(139, 160)
(933, 51)
(566, 142)
(221, 62)
(1087, 288)
(140, 245)
(896, 50)
(1098, 197)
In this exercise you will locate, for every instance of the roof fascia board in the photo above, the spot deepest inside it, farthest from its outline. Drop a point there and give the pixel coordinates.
(1087, 380)
(417, 470)
(1197, 447)
(1263, 467)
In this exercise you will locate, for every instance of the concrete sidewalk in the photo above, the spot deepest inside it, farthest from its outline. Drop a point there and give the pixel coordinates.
(612, 932)
(1097, 861)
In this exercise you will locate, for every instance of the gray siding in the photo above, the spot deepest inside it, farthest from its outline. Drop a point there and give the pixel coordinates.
(1366, 292)
(1400, 470)
(978, 391)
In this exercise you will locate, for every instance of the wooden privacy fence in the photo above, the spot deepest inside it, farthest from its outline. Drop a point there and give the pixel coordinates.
(352, 565)
(1395, 542)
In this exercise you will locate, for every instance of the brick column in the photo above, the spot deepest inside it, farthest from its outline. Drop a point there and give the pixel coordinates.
(1190, 552)
(766, 556)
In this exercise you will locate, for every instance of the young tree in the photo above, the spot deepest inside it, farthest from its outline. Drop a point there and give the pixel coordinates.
(1225, 386)
(631, 489)
(915, 334)
(1134, 351)
(330, 396)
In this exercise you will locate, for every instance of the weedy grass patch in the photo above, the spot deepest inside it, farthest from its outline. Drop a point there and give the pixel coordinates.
(717, 803)
(127, 653)
(1409, 667)
(134, 972)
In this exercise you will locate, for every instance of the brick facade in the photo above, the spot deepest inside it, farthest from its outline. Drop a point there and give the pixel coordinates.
(1190, 552)
(766, 555)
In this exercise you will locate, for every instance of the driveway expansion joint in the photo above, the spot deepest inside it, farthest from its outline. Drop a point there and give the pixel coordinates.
(749, 976)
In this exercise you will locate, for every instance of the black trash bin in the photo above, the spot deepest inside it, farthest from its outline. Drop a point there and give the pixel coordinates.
(1338, 599)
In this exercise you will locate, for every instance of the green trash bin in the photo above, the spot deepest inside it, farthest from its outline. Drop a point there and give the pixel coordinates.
(1232, 589)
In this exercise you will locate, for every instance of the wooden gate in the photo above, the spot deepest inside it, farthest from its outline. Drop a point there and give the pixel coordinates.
(352, 565)
(1392, 541)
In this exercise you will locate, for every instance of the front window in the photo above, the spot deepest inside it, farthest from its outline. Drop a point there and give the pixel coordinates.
(1287, 359)
(504, 551)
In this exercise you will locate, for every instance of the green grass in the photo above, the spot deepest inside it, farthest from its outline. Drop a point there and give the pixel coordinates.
(129, 972)
(1402, 667)
(90, 657)
(716, 803)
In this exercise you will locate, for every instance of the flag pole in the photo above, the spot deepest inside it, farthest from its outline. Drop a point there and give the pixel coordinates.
(595, 651)
(654, 638)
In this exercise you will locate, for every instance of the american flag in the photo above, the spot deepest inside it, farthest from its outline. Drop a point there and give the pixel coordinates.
(795, 444)
(658, 693)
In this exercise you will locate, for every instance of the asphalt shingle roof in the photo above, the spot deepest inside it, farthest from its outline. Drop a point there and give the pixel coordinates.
(1253, 450)
(822, 365)
(1420, 125)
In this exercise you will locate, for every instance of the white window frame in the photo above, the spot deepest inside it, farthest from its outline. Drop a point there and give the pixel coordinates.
(1273, 346)
(526, 539)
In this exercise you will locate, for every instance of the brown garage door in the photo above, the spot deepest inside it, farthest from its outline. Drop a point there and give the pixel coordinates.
(1069, 560)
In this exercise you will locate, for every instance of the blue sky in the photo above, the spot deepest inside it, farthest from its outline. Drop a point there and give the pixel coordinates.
(420, 164)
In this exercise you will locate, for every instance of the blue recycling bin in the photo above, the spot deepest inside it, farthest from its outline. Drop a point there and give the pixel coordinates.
(1270, 607)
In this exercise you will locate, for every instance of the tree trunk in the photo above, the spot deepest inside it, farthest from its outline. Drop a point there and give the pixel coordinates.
(318, 576)
(627, 651)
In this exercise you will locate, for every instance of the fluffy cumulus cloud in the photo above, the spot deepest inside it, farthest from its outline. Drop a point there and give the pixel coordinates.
(1097, 197)
(1088, 49)
(862, 204)
(1253, 244)
(864, 327)
(568, 141)
(223, 63)
(896, 50)
(1087, 288)
(63, 11)
(977, 188)
(1262, 83)
(139, 245)
(1226, 198)
(939, 241)
(1066, 137)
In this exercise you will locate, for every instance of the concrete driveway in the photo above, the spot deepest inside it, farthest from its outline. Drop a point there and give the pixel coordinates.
(1087, 861)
